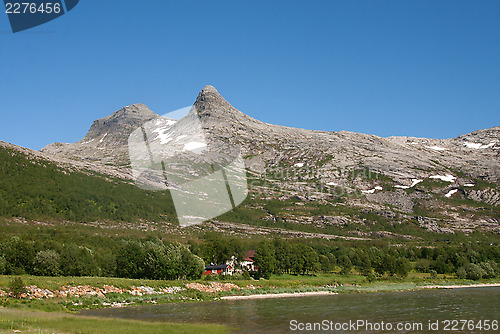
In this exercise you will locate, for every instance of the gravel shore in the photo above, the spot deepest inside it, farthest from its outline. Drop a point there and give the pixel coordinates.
(280, 295)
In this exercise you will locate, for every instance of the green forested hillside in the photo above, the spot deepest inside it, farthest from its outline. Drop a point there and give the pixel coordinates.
(41, 191)
(38, 189)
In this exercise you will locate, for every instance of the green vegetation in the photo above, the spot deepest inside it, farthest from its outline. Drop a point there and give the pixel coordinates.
(39, 189)
(17, 287)
(38, 322)
(80, 250)
(153, 258)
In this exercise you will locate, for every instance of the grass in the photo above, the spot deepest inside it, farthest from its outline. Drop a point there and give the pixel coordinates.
(15, 321)
(53, 283)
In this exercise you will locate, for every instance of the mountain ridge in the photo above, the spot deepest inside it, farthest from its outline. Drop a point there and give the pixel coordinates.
(329, 180)
(477, 153)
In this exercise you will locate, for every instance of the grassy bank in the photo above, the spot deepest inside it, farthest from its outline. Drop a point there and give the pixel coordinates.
(56, 314)
(277, 284)
(16, 321)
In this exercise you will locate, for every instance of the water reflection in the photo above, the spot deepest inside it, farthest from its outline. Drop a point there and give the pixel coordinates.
(274, 315)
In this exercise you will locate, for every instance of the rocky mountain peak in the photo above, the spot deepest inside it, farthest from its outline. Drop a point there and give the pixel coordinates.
(210, 102)
(133, 111)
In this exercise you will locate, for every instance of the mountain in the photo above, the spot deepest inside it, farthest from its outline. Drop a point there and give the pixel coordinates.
(341, 181)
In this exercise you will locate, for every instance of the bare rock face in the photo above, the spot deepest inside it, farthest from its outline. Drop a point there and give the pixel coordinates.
(489, 196)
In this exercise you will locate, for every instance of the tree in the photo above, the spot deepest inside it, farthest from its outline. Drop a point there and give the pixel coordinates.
(283, 256)
(471, 271)
(19, 255)
(296, 259)
(364, 264)
(159, 265)
(422, 265)
(192, 266)
(389, 264)
(489, 269)
(182, 263)
(327, 263)
(46, 263)
(310, 259)
(3, 265)
(402, 267)
(345, 264)
(265, 259)
(130, 260)
(219, 250)
(78, 261)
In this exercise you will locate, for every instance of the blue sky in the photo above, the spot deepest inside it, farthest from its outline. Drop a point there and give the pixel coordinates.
(415, 68)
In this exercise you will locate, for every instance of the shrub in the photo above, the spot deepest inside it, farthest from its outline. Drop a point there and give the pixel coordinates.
(17, 287)
(434, 274)
(471, 271)
(489, 269)
(46, 263)
(370, 277)
(422, 265)
(210, 277)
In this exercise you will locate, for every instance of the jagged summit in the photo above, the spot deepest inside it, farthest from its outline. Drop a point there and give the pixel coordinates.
(136, 108)
(210, 103)
(209, 89)
(210, 95)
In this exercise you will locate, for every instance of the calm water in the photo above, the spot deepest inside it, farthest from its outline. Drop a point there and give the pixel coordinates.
(274, 315)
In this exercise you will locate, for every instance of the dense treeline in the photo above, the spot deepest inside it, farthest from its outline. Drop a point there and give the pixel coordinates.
(471, 261)
(153, 258)
(38, 189)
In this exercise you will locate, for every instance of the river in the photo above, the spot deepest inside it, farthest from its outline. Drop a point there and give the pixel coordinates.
(423, 311)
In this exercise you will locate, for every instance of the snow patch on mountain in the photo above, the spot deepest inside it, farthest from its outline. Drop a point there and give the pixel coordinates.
(446, 178)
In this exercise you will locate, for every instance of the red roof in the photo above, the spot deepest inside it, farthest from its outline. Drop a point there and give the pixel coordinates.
(250, 256)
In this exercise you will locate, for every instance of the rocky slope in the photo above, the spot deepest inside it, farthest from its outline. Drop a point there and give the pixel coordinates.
(445, 181)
